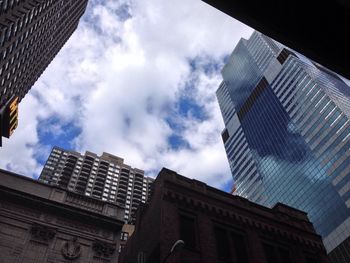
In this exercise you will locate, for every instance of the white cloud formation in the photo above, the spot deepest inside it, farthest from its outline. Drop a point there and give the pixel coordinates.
(17, 154)
(119, 78)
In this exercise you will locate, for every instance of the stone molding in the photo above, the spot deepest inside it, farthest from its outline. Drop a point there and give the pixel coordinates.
(227, 214)
(103, 249)
(42, 233)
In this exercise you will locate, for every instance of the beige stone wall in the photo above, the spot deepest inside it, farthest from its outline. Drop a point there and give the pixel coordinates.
(44, 224)
(30, 236)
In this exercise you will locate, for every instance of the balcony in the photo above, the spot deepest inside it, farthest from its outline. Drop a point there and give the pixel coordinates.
(81, 183)
(99, 184)
(86, 169)
(100, 179)
(103, 163)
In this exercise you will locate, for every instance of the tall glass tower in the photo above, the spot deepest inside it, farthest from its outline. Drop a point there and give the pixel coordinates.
(287, 135)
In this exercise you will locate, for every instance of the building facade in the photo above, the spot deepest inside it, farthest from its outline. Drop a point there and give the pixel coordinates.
(127, 231)
(31, 34)
(287, 133)
(43, 223)
(218, 227)
(104, 177)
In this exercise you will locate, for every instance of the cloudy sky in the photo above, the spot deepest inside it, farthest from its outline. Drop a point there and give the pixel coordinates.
(138, 80)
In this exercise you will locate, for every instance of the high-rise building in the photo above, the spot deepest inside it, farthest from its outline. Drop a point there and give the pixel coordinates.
(31, 34)
(104, 177)
(287, 134)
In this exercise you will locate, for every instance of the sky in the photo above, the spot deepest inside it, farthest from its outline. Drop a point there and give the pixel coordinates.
(137, 79)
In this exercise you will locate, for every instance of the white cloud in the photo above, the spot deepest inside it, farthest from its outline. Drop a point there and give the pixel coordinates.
(18, 152)
(118, 81)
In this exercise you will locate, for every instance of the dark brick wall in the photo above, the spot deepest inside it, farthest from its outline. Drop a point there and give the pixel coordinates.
(158, 226)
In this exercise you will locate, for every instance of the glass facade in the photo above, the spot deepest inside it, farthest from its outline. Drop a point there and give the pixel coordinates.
(287, 134)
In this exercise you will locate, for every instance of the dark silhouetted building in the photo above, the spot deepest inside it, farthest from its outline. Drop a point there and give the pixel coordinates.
(31, 34)
(316, 29)
(218, 227)
(104, 177)
(44, 223)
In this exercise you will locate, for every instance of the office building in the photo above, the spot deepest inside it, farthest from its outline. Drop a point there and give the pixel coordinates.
(44, 223)
(217, 227)
(104, 177)
(31, 34)
(287, 133)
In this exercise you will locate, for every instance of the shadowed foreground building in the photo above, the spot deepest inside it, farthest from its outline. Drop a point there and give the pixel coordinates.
(218, 227)
(42, 223)
(105, 177)
(31, 34)
(318, 31)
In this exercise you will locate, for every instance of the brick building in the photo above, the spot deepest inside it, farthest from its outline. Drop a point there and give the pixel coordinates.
(218, 227)
(44, 223)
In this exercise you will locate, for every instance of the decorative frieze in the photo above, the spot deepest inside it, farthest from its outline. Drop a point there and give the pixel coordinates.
(220, 213)
(103, 249)
(42, 233)
(78, 226)
(84, 202)
(19, 210)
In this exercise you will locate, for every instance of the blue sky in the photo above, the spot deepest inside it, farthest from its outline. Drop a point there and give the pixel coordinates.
(137, 79)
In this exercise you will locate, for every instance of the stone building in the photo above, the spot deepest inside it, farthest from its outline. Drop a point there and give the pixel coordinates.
(218, 227)
(44, 223)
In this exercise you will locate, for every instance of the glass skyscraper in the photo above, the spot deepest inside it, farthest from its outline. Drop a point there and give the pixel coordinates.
(287, 135)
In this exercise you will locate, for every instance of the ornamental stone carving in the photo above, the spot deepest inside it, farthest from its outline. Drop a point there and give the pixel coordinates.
(103, 249)
(42, 233)
(71, 249)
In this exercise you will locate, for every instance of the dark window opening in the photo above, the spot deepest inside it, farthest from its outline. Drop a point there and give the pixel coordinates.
(284, 255)
(222, 243)
(240, 248)
(188, 231)
(270, 254)
(274, 254)
(311, 260)
(154, 256)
